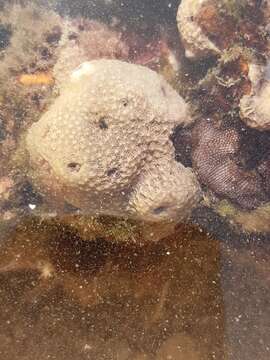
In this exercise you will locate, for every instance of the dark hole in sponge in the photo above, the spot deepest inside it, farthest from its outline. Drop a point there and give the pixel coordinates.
(163, 90)
(45, 53)
(74, 167)
(125, 102)
(103, 124)
(112, 171)
(69, 208)
(73, 36)
(5, 34)
(159, 210)
(54, 36)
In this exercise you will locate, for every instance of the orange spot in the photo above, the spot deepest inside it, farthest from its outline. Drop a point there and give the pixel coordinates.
(244, 67)
(40, 78)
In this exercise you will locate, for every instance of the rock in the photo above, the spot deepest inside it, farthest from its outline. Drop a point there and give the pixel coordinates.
(197, 44)
(208, 27)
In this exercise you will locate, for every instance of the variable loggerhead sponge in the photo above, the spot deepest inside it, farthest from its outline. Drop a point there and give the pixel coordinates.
(104, 145)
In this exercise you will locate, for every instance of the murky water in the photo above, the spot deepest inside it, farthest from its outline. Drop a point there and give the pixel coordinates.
(70, 298)
(200, 293)
(190, 297)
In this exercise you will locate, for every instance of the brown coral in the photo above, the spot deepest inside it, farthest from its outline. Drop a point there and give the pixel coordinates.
(216, 157)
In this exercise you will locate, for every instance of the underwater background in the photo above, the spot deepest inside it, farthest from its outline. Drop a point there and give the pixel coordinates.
(79, 282)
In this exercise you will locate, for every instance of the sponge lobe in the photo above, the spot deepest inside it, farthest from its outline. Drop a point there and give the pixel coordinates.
(97, 142)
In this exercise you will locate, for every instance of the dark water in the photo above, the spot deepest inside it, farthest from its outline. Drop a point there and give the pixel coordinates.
(202, 293)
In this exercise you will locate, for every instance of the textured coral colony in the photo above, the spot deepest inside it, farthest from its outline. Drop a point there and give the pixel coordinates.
(100, 121)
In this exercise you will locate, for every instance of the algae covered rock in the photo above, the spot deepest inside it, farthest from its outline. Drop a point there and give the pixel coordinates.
(104, 145)
(196, 42)
(86, 40)
(254, 106)
(208, 27)
(30, 34)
